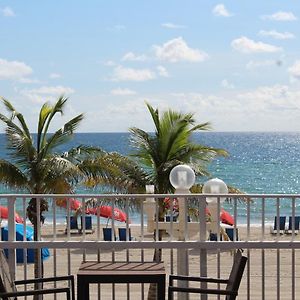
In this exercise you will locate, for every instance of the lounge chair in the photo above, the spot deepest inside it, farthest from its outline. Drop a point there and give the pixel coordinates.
(122, 234)
(232, 283)
(8, 288)
(73, 224)
(108, 234)
(289, 230)
(229, 232)
(281, 229)
(88, 224)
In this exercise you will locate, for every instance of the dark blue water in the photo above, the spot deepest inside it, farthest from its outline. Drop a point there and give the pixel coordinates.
(257, 162)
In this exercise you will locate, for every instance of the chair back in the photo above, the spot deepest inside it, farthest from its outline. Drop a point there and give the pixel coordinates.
(7, 285)
(297, 222)
(88, 223)
(122, 234)
(107, 234)
(282, 220)
(236, 274)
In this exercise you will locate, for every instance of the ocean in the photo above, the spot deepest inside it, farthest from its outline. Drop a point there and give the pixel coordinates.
(258, 162)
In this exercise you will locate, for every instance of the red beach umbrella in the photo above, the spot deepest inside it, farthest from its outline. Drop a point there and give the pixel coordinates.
(4, 214)
(107, 212)
(225, 216)
(74, 203)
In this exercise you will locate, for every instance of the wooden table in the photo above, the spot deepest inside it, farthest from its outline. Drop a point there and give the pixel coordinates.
(120, 272)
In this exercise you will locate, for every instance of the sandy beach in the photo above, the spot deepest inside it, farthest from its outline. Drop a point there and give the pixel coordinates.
(252, 275)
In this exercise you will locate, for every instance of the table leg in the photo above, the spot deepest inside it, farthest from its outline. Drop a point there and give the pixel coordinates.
(83, 292)
(161, 288)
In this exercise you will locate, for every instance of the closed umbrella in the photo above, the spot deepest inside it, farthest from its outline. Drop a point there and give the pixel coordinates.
(225, 216)
(107, 212)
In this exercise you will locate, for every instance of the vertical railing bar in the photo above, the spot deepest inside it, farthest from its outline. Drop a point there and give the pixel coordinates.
(98, 238)
(127, 240)
(248, 250)
(156, 224)
(83, 226)
(235, 219)
(186, 217)
(142, 238)
(218, 240)
(54, 238)
(293, 250)
(24, 239)
(263, 250)
(171, 233)
(278, 250)
(293, 218)
(38, 210)
(69, 233)
(113, 239)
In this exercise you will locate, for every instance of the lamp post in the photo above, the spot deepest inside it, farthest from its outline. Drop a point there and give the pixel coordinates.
(149, 206)
(182, 178)
(214, 186)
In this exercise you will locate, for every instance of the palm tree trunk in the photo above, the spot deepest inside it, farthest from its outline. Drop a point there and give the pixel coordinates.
(38, 264)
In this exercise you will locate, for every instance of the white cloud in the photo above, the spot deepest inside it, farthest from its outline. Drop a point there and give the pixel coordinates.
(14, 70)
(162, 71)
(7, 12)
(277, 35)
(46, 93)
(280, 16)
(177, 50)
(246, 45)
(226, 84)
(258, 64)
(129, 74)
(130, 56)
(173, 26)
(54, 76)
(294, 70)
(266, 108)
(221, 11)
(122, 92)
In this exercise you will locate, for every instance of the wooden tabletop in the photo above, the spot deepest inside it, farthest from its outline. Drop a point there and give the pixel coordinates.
(126, 268)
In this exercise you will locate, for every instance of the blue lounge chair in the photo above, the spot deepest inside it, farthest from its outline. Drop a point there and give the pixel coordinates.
(289, 230)
(122, 234)
(230, 233)
(88, 223)
(73, 224)
(107, 234)
(281, 229)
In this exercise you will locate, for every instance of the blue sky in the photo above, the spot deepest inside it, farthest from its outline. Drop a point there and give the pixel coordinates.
(233, 63)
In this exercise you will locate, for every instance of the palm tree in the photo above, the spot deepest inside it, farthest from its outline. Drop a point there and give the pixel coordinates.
(37, 168)
(170, 145)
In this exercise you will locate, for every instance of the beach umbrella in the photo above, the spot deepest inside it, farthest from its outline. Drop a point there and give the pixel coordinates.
(4, 214)
(225, 216)
(74, 203)
(106, 211)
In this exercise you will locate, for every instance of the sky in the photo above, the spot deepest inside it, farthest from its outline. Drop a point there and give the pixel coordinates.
(234, 63)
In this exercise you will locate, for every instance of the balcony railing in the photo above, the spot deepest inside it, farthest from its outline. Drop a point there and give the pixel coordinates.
(273, 265)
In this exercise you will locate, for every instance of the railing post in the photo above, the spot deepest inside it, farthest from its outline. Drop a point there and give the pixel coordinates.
(203, 252)
(11, 235)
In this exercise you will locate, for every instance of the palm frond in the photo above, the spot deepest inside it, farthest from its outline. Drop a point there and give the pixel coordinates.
(61, 136)
(12, 176)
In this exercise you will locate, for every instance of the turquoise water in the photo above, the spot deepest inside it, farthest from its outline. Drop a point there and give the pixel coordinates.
(258, 162)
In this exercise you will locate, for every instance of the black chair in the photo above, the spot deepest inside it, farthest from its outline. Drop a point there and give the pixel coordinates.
(8, 288)
(275, 229)
(233, 282)
(289, 230)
